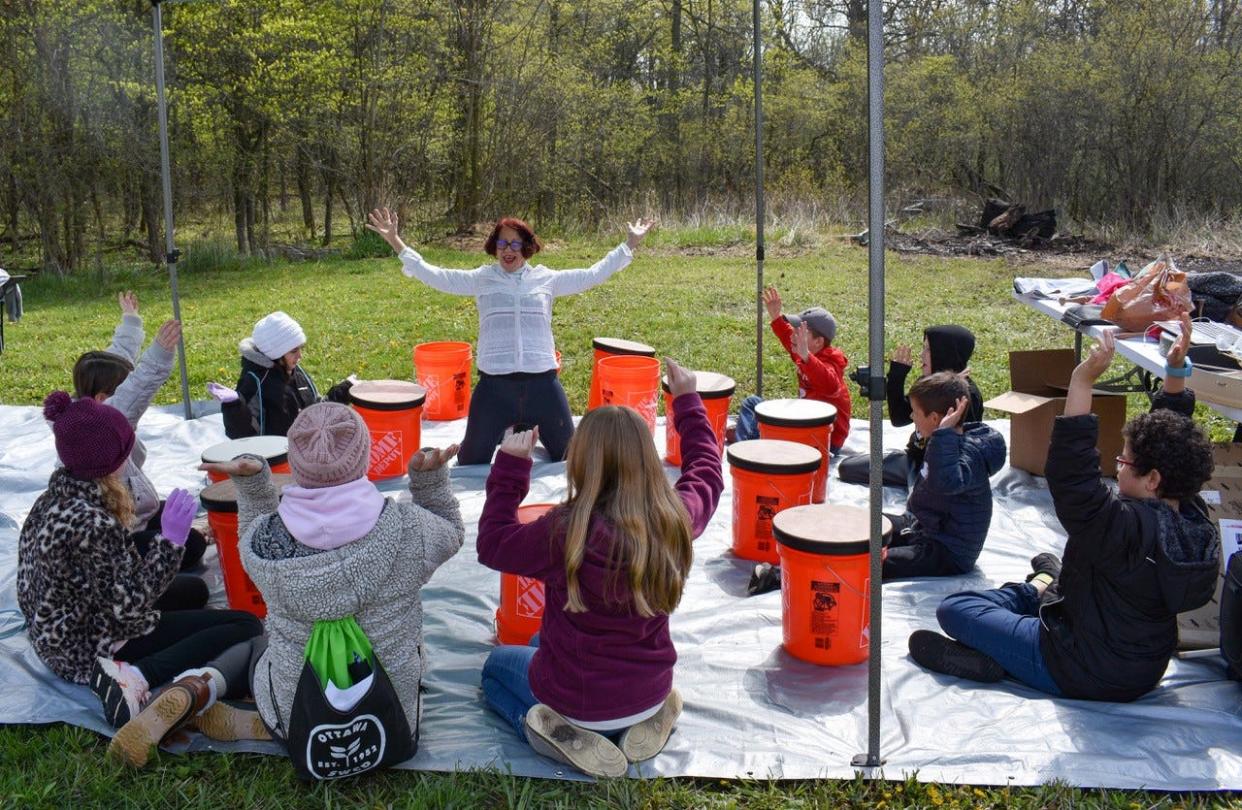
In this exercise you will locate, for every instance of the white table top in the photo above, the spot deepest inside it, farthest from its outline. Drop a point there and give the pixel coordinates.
(1141, 352)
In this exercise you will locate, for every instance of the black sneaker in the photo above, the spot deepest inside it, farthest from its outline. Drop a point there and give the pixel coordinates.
(939, 653)
(1045, 563)
(122, 700)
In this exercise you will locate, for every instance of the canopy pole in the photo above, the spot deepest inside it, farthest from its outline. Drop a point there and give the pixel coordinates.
(171, 254)
(759, 212)
(875, 356)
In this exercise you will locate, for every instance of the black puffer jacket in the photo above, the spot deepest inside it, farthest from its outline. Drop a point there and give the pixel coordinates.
(1130, 566)
(269, 399)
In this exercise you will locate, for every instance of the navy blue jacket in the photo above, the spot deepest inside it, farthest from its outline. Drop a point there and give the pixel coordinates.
(1109, 623)
(952, 500)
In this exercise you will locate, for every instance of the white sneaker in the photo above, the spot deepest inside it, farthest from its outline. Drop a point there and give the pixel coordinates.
(121, 694)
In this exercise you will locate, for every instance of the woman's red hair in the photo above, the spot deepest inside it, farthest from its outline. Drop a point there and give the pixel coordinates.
(530, 243)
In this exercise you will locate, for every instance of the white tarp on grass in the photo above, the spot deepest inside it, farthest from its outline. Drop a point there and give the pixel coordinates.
(751, 710)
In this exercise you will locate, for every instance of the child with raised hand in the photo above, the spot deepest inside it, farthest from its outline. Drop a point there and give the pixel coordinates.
(597, 690)
(820, 366)
(1102, 624)
(332, 547)
(950, 510)
(89, 599)
(118, 378)
(945, 348)
(518, 381)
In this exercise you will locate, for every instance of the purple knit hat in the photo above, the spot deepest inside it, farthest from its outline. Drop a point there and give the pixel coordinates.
(93, 440)
(329, 444)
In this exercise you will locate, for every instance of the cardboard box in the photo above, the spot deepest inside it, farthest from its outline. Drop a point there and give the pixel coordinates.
(1200, 629)
(1216, 377)
(1038, 381)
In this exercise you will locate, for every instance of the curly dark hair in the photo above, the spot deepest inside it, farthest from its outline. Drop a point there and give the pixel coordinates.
(939, 392)
(1173, 444)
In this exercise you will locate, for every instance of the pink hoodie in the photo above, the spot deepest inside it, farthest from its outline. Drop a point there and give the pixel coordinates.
(329, 517)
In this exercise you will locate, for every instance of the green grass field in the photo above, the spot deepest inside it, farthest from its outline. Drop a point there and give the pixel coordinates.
(693, 301)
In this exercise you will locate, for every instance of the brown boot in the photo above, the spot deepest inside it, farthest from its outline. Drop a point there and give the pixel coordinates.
(174, 707)
(646, 739)
(229, 723)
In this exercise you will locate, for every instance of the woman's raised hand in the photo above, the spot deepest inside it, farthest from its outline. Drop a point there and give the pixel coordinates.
(637, 231)
(384, 222)
(240, 466)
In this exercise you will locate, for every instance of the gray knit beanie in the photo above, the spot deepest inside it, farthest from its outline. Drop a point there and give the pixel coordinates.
(329, 444)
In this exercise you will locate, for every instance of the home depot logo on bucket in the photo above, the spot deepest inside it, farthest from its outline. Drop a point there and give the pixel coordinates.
(386, 453)
(645, 405)
(529, 598)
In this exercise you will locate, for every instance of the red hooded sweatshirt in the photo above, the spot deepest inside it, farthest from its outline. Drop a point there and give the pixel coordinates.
(820, 376)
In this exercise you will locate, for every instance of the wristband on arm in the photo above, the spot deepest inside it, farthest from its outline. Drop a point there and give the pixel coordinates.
(1186, 369)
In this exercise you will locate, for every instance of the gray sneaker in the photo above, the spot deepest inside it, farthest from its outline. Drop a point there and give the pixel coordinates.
(644, 740)
(555, 737)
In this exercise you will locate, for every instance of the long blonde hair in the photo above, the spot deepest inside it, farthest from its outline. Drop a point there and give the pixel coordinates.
(117, 498)
(613, 471)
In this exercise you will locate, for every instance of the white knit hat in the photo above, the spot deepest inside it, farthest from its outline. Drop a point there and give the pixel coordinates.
(277, 334)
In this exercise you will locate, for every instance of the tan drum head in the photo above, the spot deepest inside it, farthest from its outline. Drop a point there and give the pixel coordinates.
(273, 448)
(619, 346)
(710, 385)
(795, 412)
(826, 528)
(774, 456)
(387, 395)
(222, 495)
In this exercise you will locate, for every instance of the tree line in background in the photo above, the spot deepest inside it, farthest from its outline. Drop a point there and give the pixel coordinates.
(561, 111)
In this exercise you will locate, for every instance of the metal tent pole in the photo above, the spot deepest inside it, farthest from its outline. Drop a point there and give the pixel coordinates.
(875, 356)
(759, 212)
(171, 254)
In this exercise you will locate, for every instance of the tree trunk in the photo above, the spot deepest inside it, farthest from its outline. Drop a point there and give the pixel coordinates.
(302, 176)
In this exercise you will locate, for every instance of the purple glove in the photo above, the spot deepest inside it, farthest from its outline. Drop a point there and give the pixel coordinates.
(179, 512)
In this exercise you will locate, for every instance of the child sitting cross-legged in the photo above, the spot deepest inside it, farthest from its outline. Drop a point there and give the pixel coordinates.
(597, 690)
(949, 512)
(1102, 624)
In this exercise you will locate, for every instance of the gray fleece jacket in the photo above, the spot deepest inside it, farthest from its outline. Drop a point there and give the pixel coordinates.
(132, 398)
(376, 579)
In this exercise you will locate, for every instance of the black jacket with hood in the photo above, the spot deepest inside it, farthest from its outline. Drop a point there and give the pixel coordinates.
(268, 398)
(950, 347)
(1109, 624)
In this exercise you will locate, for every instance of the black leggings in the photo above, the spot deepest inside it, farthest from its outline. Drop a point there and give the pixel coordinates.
(500, 401)
(913, 554)
(195, 544)
(185, 639)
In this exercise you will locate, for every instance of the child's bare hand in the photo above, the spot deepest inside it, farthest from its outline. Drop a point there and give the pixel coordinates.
(240, 466)
(903, 355)
(1176, 357)
(129, 302)
(521, 443)
(954, 416)
(772, 301)
(169, 334)
(680, 381)
(1096, 363)
(431, 458)
(801, 341)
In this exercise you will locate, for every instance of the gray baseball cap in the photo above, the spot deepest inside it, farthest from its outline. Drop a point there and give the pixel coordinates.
(818, 319)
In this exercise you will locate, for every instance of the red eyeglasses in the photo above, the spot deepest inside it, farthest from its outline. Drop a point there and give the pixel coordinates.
(1124, 462)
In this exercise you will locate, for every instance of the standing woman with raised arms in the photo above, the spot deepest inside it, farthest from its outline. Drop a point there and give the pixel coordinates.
(518, 383)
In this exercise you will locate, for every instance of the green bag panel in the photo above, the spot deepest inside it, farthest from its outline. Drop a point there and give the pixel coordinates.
(334, 645)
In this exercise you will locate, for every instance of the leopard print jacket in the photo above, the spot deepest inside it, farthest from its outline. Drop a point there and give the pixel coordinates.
(80, 581)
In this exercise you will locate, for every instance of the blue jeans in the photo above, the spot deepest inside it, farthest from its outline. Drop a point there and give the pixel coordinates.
(506, 683)
(1003, 624)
